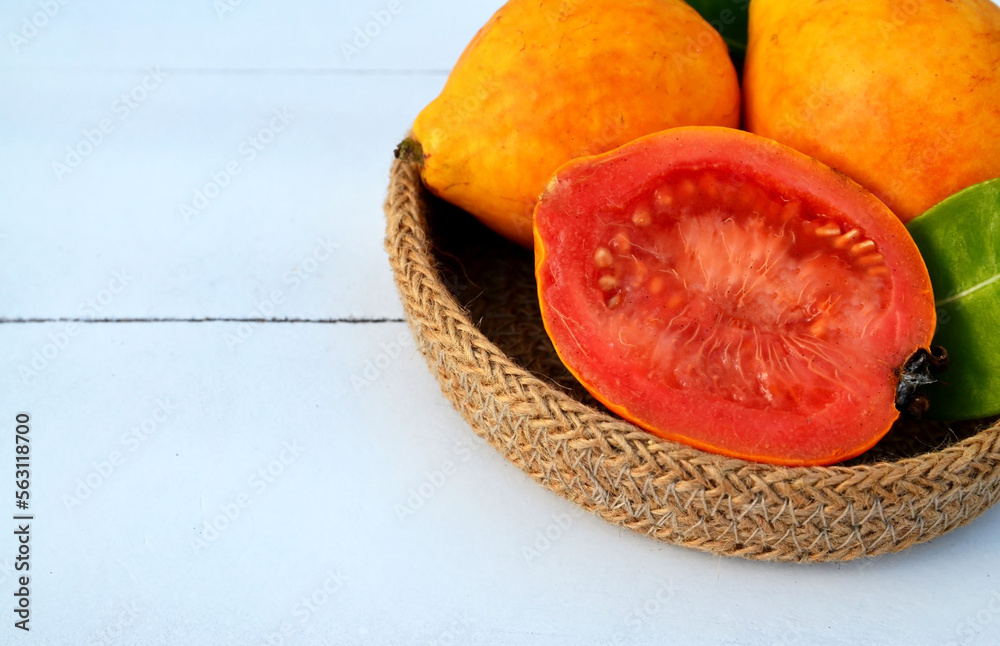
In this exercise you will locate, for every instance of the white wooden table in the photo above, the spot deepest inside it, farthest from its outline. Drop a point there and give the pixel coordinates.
(192, 288)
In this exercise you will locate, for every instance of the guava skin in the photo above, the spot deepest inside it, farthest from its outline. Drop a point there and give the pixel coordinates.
(903, 97)
(546, 81)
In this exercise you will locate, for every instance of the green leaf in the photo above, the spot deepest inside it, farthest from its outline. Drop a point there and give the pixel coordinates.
(960, 242)
(729, 17)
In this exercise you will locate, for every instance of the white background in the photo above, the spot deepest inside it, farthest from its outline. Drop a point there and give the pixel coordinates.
(131, 543)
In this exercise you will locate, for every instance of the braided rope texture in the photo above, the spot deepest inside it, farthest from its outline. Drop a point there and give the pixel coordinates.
(531, 411)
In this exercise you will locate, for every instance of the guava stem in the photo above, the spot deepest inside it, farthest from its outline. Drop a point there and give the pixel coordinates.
(410, 150)
(916, 373)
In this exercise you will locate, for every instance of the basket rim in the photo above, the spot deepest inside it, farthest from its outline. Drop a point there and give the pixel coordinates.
(459, 354)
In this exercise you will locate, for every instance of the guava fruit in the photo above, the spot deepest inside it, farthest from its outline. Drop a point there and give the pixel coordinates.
(903, 97)
(545, 81)
(722, 290)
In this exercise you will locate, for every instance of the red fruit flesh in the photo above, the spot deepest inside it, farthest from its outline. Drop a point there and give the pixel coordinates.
(725, 291)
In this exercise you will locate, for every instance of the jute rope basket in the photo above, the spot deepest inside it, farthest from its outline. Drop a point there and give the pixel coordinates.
(470, 299)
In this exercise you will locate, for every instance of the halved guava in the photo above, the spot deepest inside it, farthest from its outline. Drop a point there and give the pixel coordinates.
(725, 291)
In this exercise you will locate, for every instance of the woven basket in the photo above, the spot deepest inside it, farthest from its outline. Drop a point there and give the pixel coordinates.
(470, 299)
